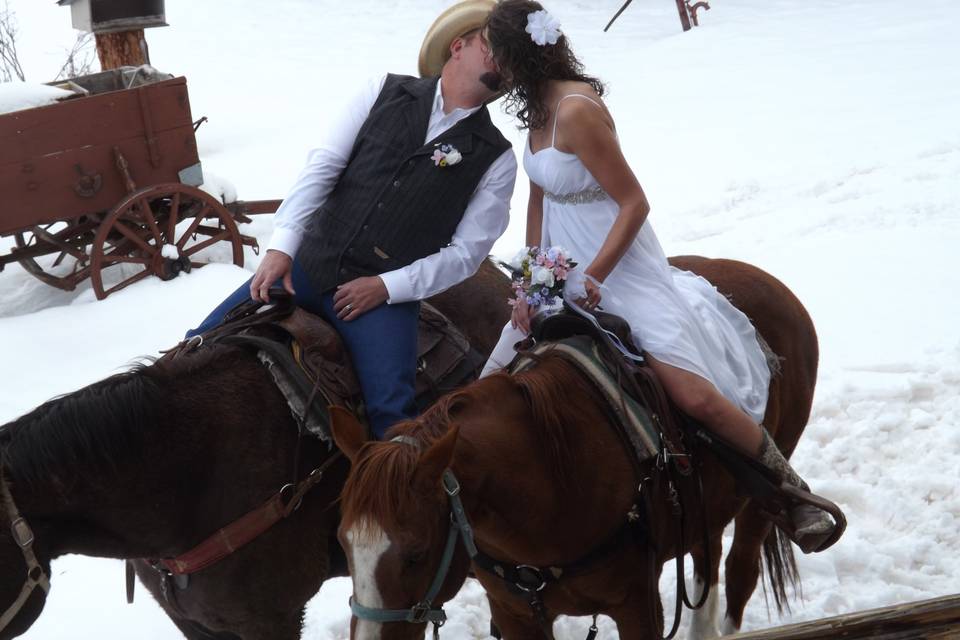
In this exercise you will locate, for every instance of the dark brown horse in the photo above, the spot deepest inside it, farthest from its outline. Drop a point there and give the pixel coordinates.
(148, 463)
(545, 482)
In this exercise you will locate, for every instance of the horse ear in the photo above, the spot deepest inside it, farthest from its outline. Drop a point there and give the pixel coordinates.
(348, 434)
(434, 461)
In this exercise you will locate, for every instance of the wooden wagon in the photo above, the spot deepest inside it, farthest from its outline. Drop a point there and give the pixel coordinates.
(104, 186)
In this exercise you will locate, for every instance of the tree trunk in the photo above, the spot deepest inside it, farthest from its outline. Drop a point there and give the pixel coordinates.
(122, 48)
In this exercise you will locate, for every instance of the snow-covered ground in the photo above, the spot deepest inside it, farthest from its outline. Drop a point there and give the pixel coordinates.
(818, 140)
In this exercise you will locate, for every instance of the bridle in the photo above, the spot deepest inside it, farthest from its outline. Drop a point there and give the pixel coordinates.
(24, 537)
(424, 611)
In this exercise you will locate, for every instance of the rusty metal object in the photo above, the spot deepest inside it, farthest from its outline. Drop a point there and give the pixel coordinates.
(687, 13)
(88, 184)
(692, 9)
(684, 16)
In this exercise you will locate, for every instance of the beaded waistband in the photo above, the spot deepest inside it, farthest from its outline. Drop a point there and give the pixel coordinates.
(592, 194)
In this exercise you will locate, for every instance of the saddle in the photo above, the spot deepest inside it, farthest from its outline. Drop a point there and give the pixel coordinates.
(312, 369)
(643, 412)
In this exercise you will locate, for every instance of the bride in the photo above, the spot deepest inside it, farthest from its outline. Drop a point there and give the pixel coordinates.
(585, 198)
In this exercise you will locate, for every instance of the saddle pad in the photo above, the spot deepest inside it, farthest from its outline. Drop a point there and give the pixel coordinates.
(582, 352)
(314, 372)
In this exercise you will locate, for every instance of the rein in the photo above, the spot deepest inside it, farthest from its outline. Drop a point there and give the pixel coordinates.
(526, 578)
(23, 536)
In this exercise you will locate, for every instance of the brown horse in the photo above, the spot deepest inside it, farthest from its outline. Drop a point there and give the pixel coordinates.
(547, 486)
(148, 463)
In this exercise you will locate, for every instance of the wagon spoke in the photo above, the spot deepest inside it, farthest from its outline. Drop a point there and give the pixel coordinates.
(224, 235)
(128, 259)
(151, 221)
(193, 227)
(173, 218)
(123, 283)
(40, 233)
(133, 237)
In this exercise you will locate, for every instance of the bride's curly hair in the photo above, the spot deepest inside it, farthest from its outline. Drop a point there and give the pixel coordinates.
(526, 66)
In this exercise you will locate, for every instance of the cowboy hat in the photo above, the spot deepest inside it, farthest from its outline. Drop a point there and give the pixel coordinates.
(461, 18)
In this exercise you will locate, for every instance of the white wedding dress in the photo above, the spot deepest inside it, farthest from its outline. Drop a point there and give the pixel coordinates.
(676, 316)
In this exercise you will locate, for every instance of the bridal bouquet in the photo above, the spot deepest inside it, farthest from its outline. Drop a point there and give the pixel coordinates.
(539, 275)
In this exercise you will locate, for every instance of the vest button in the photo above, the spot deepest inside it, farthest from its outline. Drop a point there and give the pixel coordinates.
(379, 205)
(396, 183)
(350, 251)
(365, 227)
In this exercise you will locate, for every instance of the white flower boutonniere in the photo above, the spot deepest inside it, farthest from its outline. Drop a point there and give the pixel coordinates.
(446, 155)
(543, 28)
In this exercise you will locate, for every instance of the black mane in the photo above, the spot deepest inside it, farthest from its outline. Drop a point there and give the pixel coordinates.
(84, 435)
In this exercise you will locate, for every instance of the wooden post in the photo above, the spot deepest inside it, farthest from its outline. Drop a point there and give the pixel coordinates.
(122, 48)
(936, 619)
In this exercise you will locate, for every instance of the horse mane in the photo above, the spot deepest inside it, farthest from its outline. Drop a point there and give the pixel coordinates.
(86, 434)
(378, 488)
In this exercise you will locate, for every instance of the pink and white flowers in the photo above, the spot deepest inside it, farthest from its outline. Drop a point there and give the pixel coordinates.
(446, 155)
(539, 275)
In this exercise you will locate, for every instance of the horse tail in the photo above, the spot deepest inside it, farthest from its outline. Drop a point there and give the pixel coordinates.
(781, 569)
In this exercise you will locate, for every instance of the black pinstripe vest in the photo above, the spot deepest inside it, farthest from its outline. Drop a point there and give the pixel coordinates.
(392, 205)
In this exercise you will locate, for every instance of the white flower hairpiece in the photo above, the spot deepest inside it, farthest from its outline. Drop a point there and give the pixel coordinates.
(543, 28)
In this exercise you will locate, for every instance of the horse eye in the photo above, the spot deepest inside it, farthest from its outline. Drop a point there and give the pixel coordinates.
(414, 558)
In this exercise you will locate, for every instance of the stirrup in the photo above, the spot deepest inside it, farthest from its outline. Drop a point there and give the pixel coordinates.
(809, 543)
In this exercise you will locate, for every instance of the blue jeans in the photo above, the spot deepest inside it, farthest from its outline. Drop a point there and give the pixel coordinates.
(382, 344)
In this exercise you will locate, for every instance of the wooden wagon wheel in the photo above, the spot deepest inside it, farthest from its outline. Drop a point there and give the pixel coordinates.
(159, 230)
(68, 240)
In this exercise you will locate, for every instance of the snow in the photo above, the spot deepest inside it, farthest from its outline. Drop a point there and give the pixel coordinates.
(15, 96)
(818, 140)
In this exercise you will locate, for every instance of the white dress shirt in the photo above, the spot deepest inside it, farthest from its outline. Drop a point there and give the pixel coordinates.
(484, 219)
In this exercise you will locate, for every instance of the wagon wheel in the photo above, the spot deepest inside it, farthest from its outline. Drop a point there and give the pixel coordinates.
(160, 231)
(68, 240)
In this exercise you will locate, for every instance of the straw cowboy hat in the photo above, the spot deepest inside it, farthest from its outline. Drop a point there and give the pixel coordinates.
(461, 18)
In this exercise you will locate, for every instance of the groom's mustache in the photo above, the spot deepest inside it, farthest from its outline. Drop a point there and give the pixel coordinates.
(492, 80)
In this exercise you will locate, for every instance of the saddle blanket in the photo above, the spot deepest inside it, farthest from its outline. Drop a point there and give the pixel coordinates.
(581, 351)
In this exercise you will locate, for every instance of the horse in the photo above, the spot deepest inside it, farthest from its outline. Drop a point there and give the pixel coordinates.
(541, 489)
(149, 462)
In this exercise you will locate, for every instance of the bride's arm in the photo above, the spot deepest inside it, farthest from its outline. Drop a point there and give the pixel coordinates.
(586, 130)
(534, 215)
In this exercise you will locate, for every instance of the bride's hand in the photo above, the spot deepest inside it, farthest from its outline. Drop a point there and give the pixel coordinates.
(593, 295)
(522, 312)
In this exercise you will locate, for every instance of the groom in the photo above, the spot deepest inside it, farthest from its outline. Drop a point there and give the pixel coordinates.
(403, 200)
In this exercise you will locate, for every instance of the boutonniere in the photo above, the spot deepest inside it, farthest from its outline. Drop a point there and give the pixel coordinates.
(446, 155)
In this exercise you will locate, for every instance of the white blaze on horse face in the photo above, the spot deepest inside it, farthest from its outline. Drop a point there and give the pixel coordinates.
(368, 542)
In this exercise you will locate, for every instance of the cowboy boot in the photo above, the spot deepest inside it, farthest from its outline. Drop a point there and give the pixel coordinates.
(811, 524)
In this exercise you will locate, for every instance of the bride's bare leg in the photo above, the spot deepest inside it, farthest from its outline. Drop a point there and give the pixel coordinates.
(702, 401)
(698, 398)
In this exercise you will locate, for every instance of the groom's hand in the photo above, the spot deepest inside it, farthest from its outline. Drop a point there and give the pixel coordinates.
(274, 266)
(356, 297)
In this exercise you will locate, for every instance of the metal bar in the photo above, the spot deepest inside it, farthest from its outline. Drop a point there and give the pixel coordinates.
(684, 16)
(193, 227)
(252, 207)
(225, 235)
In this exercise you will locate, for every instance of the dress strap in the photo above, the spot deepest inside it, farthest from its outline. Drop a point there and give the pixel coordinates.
(556, 112)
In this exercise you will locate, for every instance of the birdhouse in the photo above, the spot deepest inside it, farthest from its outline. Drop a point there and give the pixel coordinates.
(106, 16)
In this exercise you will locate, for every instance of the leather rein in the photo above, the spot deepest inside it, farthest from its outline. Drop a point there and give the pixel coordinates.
(523, 578)
(24, 538)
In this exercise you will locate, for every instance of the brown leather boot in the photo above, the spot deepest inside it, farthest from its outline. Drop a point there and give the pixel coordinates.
(811, 525)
